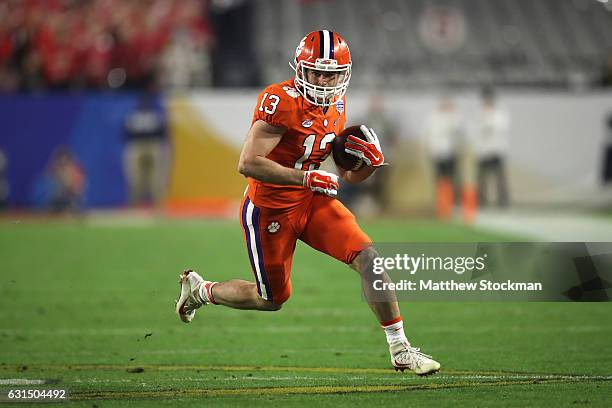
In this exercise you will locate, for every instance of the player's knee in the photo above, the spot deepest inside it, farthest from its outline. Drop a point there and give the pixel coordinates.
(278, 299)
(364, 259)
(269, 306)
(272, 302)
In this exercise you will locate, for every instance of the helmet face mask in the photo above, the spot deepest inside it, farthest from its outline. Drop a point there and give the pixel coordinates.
(322, 52)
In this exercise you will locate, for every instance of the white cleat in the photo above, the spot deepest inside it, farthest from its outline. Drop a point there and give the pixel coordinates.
(404, 356)
(190, 299)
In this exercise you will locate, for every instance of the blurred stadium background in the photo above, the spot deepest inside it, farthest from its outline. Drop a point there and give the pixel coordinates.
(72, 73)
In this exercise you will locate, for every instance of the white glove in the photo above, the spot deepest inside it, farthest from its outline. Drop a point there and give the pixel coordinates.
(368, 150)
(321, 182)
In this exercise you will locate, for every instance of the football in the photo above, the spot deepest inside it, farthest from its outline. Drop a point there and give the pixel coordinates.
(344, 160)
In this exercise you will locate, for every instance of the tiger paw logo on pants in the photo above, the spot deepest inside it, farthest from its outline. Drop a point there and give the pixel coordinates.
(273, 227)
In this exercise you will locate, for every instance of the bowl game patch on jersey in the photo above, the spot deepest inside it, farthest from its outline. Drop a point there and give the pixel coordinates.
(340, 106)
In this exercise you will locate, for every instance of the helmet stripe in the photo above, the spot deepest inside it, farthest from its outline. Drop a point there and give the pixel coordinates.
(331, 46)
(321, 55)
(325, 44)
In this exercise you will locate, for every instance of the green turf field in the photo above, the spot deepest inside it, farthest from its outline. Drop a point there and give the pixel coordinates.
(90, 308)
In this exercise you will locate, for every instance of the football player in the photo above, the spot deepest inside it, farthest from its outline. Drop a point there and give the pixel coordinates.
(289, 198)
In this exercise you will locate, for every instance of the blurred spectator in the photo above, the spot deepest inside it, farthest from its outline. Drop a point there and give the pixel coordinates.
(607, 162)
(185, 60)
(183, 63)
(4, 185)
(61, 44)
(444, 132)
(61, 187)
(145, 136)
(234, 60)
(490, 143)
(606, 72)
(376, 186)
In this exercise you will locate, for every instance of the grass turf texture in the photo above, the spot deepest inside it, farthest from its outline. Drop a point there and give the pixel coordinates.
(90, 308)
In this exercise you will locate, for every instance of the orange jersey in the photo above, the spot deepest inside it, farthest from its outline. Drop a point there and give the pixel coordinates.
(305, 145)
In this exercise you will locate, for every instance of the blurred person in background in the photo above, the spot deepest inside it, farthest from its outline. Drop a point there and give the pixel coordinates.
(375, 188)
(95, 47)
(606, 72)
(20, 64)
(61, 187)
(444, 132)
(233, 55)
(490, 144)
(606, 174)
(185, 59)
(178, 62)
(145, 144)
(183, 62)
(378, 117)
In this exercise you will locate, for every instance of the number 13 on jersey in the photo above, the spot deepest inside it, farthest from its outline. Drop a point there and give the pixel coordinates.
(269, 107)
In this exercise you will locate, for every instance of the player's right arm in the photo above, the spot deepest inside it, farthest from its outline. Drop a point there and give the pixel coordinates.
(261, 139)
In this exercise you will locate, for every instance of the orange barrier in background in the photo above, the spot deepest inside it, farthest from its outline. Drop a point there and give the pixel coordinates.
(444, 198)
(469, 202)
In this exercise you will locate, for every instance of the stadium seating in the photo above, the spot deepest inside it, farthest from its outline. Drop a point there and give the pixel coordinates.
(506, 42)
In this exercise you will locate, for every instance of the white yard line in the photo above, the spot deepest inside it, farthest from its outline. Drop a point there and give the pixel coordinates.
(20, 381)
(93, 380)
(548, 227)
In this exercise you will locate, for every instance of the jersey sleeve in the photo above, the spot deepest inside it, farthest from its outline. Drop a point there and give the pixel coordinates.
(275, 107)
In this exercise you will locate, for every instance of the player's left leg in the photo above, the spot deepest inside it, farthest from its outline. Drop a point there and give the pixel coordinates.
(235, 293)
(332, 229)
(270, 240)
